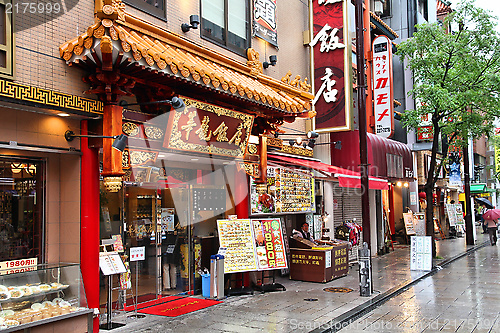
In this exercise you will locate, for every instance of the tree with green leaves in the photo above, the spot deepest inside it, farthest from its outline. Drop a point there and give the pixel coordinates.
(456, 72)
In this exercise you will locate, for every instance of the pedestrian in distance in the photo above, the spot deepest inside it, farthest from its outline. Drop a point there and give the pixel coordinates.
(483, 222)
(492, 230)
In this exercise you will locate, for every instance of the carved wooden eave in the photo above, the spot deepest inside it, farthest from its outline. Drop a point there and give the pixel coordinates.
(149, 54)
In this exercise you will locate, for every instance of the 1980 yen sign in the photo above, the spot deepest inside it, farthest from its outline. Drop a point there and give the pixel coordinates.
(31, 13)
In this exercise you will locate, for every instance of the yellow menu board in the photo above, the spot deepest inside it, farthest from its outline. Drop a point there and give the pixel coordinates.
(237, 236)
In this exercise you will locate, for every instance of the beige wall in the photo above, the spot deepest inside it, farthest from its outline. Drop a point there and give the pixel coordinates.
(62, 211)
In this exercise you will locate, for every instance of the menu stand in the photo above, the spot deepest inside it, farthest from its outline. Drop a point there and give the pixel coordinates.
(110, 264)
(136, 254)
(272, 286)
(240, 290)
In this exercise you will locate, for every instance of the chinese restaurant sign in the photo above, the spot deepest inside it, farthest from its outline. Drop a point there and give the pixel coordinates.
(382, 86)
(252, 244)
(209, 129)
(332, 66)
(264, 23)
(285, 192)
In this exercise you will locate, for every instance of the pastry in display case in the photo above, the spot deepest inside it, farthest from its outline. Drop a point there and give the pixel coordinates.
(40, 295)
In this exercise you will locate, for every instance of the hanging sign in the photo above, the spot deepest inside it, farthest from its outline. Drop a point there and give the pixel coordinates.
(208, 129)
(264, 23)
(382, 86)
(331, 43)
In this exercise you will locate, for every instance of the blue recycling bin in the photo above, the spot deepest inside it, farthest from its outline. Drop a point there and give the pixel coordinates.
(205, 285)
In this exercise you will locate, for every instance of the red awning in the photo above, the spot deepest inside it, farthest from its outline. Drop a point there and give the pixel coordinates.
(347, 178)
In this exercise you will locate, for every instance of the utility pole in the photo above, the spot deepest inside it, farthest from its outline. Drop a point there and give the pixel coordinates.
(469, 235)
(363, 150)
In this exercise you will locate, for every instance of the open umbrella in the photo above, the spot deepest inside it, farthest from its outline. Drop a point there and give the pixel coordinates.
(485, 202)
(491, 214)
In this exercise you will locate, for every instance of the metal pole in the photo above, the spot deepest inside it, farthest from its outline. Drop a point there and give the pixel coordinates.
(136, 285)
(363, 151)
(110, 295)
(469, 236)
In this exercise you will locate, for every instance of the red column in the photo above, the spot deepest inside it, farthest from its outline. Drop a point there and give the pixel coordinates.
(242, 207)
(111, 126)
(89, 235)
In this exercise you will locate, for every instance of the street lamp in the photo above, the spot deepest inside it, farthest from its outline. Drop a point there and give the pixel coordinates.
(119, 144)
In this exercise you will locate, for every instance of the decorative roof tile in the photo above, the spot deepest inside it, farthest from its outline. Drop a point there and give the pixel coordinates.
(144, 44)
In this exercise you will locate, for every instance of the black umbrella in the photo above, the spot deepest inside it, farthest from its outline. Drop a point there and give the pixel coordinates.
(485, 202)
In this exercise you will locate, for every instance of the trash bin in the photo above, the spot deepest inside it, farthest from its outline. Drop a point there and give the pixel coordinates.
(217, 276)
(205, 285)
(365, 271)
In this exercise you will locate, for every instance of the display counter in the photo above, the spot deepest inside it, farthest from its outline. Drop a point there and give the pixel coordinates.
(318, 263)
(44, 298)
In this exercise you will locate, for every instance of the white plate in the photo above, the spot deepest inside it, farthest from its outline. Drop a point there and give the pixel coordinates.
(16, 293)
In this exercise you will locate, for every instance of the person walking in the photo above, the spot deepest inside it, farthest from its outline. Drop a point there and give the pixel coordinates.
(483, 222)
(492, 230)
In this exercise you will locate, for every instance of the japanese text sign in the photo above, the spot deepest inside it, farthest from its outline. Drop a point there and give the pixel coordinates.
(137, 253)
(209, 129)
(264, 23)
(332, 66)
(382, 86)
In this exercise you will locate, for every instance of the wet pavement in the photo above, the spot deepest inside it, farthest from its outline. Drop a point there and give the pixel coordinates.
(462, 297)
(437, 296)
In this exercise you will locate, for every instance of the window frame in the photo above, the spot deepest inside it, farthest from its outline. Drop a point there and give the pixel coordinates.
(149, 9)
(8, 71)
(224, 43)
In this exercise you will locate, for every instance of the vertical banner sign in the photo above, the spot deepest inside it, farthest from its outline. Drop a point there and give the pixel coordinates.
(382, 86)
(270, 248)
(332, 66)
(497, 153)
(421, 253)
(264, 23)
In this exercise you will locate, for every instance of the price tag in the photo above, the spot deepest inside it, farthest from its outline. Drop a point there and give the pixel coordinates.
(137, 253)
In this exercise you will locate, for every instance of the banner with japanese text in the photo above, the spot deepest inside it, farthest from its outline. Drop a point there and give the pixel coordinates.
(205, 128)
(331, 43)
(383, 87)
(264, 23)
(269, 244)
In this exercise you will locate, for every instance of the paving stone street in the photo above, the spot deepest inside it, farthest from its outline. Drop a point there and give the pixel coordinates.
(462, 297)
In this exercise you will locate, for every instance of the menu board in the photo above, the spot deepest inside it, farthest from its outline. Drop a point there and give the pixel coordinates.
(269, 244)
(252, 244)
(111, 263)
(408, 220)
(421, 253)
(452, 214)
(237, 236)
(459, 215)
(286, 191)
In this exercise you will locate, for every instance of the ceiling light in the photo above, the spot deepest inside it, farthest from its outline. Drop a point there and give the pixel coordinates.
(63, 114)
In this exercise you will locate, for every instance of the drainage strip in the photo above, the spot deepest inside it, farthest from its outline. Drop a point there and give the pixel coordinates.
(350, 316)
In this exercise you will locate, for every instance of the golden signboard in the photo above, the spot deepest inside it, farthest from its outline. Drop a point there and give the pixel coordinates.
(209, 129)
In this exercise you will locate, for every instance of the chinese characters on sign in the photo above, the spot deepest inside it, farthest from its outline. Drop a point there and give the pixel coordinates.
(264, 24)
(382, 89)
(206, 128)
(421, 253)
(333, 88)
(269, 244)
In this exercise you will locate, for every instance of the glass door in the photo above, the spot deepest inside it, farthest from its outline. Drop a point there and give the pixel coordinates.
(141, 231)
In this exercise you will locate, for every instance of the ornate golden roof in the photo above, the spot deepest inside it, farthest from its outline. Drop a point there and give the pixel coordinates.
(120, 35)
(379, 20)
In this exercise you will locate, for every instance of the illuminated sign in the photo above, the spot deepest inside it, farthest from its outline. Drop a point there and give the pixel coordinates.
(382, 87)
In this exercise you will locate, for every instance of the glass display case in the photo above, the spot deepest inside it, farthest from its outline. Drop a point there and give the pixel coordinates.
(42, 294)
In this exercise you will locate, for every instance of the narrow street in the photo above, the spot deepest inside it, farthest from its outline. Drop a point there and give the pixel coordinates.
(462, 297)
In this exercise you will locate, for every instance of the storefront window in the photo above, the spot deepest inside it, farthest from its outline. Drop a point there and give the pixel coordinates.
(21, 209)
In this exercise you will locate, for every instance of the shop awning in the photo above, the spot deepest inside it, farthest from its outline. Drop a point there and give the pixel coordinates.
(347, 178)
(478, 188)
(387, 158)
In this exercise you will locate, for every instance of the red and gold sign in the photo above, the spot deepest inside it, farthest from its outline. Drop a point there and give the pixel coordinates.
(209, 129)
(332, 65)
(425, 133)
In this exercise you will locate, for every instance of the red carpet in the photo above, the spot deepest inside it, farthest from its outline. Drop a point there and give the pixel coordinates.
(151, 303)
(179, 307)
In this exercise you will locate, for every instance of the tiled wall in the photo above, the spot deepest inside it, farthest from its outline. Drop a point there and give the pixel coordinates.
(62, 210)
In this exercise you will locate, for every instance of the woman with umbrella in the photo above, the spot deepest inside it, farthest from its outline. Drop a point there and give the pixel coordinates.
(491, 218)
